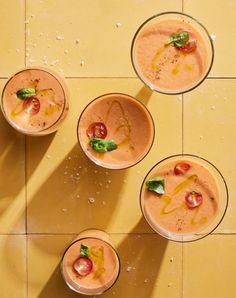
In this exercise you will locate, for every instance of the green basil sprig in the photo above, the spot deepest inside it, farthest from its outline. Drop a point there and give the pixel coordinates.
(84, 251)
(178, 39)
(156, 184)
(25, 93)
(101, 145)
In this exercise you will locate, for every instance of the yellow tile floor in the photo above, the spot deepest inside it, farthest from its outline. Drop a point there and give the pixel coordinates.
(43, 205)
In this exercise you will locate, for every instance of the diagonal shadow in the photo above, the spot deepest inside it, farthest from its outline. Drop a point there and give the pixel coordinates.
(13, 169)
(12, 160)
(140, 263)
(144, 94)
(77, 195)
(134, 251)
(10, 141)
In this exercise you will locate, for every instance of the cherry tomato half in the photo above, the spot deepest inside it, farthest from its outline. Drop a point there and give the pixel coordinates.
(31, 105)
(189, 47)
(83, 266)
(193, 199)
(181, 168)
(97, 130)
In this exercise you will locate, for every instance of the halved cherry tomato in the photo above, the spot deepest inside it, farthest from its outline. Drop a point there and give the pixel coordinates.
(193, 199)
(83, 266)
(181, 168)
(97, 130)
(189, 47)
(31, 105)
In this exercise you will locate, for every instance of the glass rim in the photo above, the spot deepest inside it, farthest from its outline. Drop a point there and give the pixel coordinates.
(96, 238)
(212, 52)
(203, 235)
(146, 110)
(36, 132)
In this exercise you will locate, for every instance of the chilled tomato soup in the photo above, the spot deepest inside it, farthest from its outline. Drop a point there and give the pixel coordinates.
(34, 101)
(172, 53)
(90, 265)
(115, 131)
(180, 197)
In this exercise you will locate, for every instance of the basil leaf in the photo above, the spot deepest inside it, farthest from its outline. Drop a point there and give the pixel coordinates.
(25, 93)
(156, 184)
(101, 145)
(84, 251)
(178, 39)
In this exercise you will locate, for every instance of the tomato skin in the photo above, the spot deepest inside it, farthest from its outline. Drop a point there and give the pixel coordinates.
(193, 199)
(97, 130)
(31, 105)
(189, 47)
(181, 168)
(83, 266)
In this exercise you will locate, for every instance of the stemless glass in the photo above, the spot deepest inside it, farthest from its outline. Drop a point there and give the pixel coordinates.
(35, 101)
(166, 68)
(121, 118)
(169, 211)
(103, 271)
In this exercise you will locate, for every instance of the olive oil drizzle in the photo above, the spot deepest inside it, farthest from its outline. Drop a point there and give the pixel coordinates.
(156, 57)
(184, 184)
(125, 126)
(156, 63)
(167, 200)
(97, 255)
(53, 107)
(18, 109)
(180, 187)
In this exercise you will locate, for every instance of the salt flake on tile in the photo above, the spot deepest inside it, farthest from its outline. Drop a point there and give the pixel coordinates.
(118, 25)
(91, 200)
(213, 36)
(60, 37)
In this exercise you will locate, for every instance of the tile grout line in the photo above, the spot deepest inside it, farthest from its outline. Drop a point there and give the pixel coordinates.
(182, 246)
(112, 233)
(182, 272)
(100, 77)
(26, 234)
(182, 97)
(222, 78)
(182, 256)
(136, 78)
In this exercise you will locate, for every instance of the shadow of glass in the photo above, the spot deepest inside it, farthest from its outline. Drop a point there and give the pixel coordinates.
(56, 287)
(38, 147)
(52, 245)
(144, 94)
(79, 195)
(12, 162)
(141, 257)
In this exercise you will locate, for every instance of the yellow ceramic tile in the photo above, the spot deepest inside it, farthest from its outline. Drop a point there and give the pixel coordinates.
(209, 131)
(62, 180)
(13, 266)
(150, 267)
(12, 178)
(209, 267)
(44, 256)
(12, 36)
(218, 17)
(87, 37)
